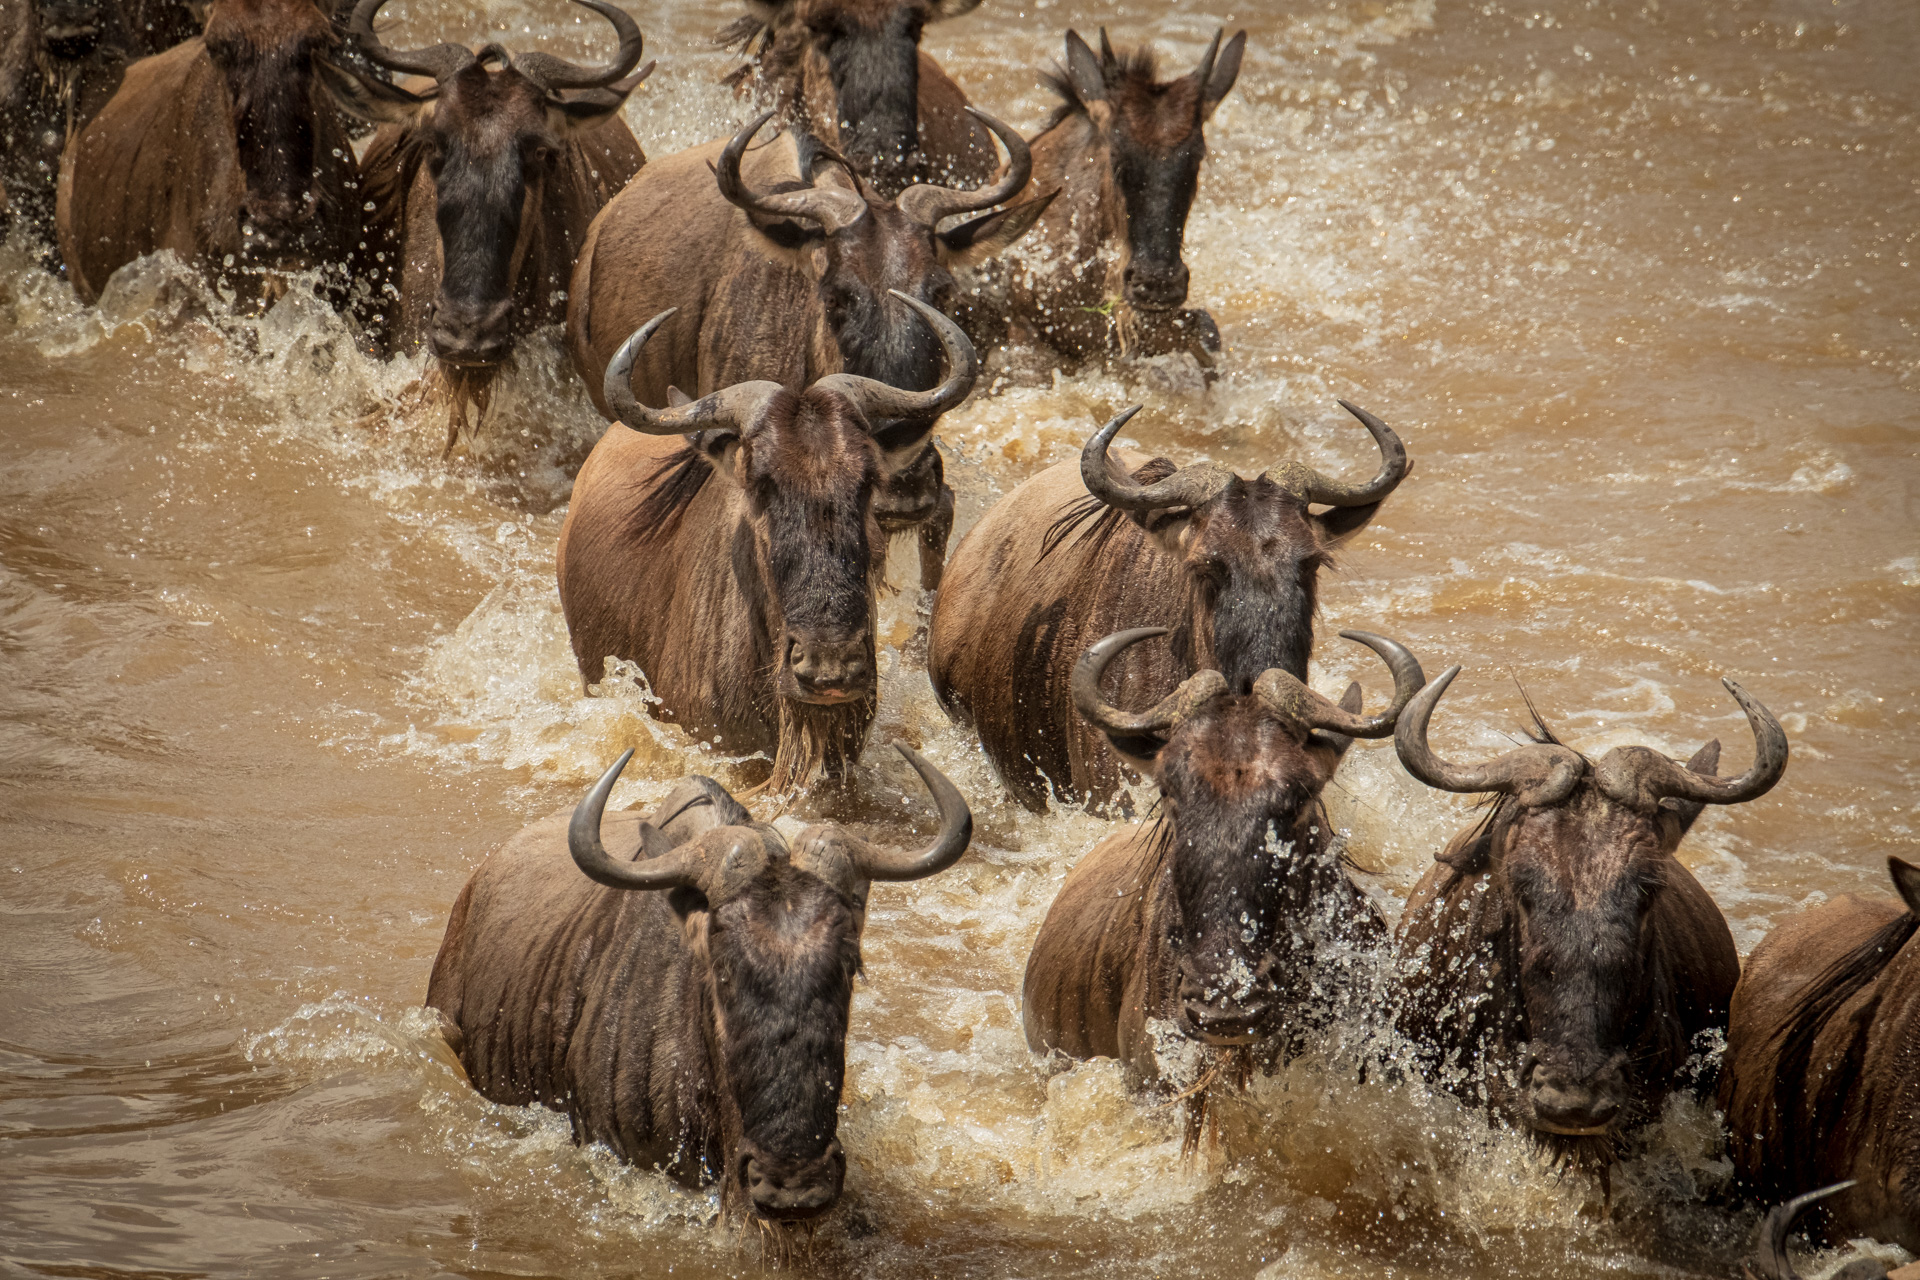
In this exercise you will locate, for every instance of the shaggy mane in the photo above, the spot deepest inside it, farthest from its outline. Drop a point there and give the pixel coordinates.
(677, 480)
(1098, 519)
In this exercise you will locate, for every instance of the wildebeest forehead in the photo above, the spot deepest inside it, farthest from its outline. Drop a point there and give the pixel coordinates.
(1588, 854)
(266, 24)
(1256, 522)
(785, 921)
(490, 111)
(1158, 117)
(817, 449)
(1236, 752)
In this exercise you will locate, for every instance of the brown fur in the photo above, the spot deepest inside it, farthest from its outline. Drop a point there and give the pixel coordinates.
(1116, 953)
(789, 64)
(1821, 1080)
(1072, 288)
(160, 167)
(683, 586)
(1482, 983)
(1044, 575)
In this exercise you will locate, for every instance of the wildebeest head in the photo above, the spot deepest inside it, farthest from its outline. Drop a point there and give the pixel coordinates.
(808, 466)
(1578, 852)
(858, 60)
(1250, 856)
(774, 935)
(491, 141)
(264, 51)
(862, 251)
(1153, 133)
(69, 30)
(1251, 548)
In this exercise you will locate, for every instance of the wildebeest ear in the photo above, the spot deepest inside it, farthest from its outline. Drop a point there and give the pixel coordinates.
(941, 10)
(375, 101)
(1350, 701)
(1083, 70)
(676, 398)
(717, 445)
(974, 242)
(585, 108)
(1706, 762)
(1226, 69)
(1906, 882)
(1140, 751)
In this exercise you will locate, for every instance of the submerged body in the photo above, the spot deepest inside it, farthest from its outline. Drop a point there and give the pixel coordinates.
(1821, 1080)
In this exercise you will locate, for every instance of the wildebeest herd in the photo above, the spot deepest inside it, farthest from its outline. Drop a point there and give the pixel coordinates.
(775, 323)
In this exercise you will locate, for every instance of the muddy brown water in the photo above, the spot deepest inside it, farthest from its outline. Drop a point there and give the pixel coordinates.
(1636, 283)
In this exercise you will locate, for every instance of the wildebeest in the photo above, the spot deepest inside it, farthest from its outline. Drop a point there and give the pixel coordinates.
(699, 1026)
(738, 566)
(784, 267)
(60, 60)
(1227, 566)
(1104, 269)
(1558, 961)
(851, 73)
(222, 149)
(1821, 1080)
(1208, 921)
(484, 185)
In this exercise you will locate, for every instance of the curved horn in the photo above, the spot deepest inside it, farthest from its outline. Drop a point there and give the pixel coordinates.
(583, 841)
(1280, 692)
(438, 61)
(956, 831)
(557, 73)
(926, 203)
(1772, 1251)
(880, 402)
(1665, 778)
(1311, 486)
(1187, 487)
(1540, 774)
(1198, 688)
(730, 408)
(832, 207)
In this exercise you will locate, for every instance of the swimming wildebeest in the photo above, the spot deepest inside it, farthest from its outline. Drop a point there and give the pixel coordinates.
(730, 547)
(222, 149)
(700, 1027)
(1821, 1079)
(60, 60)
(483, 185)
(783, 267)
(1209, 921)
(1104, 270)
(1558, 961)
(1227, 566)
(851, 73)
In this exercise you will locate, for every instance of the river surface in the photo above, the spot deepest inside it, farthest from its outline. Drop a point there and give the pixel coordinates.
(1634, 281)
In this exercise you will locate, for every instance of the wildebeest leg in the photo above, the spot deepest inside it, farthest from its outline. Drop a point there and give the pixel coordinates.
(933, 539)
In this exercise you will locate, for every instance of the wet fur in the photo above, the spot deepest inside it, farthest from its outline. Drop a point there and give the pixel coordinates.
(1821, 1080)
(166, 164)
(1462, 954)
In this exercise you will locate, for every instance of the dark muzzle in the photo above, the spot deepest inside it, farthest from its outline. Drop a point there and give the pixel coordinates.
(1153, 286)
(829, 670)
(1570, 1101)
(1224, 1017)
(788, 1189)
(466, 333)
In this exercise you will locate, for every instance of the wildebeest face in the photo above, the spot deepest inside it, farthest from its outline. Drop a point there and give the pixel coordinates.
(1252, 549)
(1248, 855)
(1581, 877)
(264, 51)
(1254, 557)
(1154, 135)
(492, 141)
(1580, 853)
(782, 947)
(808, 469)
